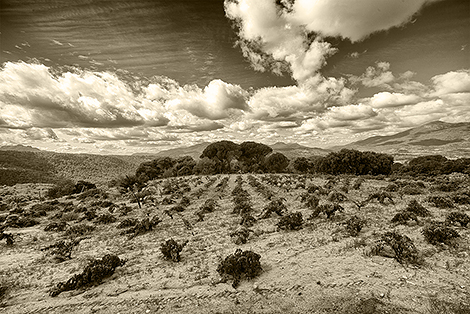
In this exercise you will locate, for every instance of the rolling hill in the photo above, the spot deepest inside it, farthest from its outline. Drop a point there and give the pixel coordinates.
(448, 139)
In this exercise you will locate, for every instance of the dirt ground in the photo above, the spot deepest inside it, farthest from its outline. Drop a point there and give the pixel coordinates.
(317, 269)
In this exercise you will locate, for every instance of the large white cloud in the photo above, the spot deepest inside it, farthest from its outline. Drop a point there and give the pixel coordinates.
(275, 35)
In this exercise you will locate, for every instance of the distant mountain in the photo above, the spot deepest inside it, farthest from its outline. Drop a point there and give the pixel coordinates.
(20, 148)
(448, 139)
(294, 150)
(194, 151)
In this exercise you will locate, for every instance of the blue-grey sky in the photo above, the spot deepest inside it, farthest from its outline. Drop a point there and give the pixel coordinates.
(140, 76)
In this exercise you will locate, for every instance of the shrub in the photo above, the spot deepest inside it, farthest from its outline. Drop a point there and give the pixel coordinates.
(7, 236)
(247, 220)
(411, 190)
(292, 221)
(62, 250)
(240, 236)
(275, 206)
(404, 217)
(381, 197)
(357, 183)
(458, 217)
(242, 208)
(335, 196)
(405, 251)
(128, 222)
(171, 249)
(417, 209)
(461, 199)
(437, 232)
(238, 265)
(56, 226)
(312, 201)
(92, 275)
(105, 219)
(440, 201)
(143, 226)
(185, 201)
(79, 230)
(329, 210)
(354, 225)
(93, 193)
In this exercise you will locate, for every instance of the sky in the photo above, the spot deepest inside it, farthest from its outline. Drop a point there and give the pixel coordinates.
(124, 77)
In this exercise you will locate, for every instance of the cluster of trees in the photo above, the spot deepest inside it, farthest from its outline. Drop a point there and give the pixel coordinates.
(346, 161)
(434, 165)
(218, 157)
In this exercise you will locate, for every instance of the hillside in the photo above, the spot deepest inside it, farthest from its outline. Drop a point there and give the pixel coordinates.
(352, 261)
(448, 139)
(49, 167)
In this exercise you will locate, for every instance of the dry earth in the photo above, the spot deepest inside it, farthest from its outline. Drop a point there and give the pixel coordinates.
(317, 269)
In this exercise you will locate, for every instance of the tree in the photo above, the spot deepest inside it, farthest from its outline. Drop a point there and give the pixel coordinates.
(222, 153)
(151, 170)
(253, 155)
(302, 164)
(276, 163)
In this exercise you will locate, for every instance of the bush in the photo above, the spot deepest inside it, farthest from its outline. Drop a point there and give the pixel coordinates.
(417, 209)
(381, 197)
(7, 236)
(440, 201)
(79, 230)
(329, 210)
(171, 249)
(437, 232)
(292, 221)
(247, 220)
(143, 226)
(56, 226)
(105, 219)
(403, 248)
(238, 265)
(92, 275)
(240, 236)
(458, 217)
(275, 206)
(354, 225)
(404, 217)
(62, 250)
(126, 223)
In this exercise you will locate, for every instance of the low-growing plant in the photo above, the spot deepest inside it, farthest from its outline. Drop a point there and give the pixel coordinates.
(405, 251)
(171, 249)
(381, 197)
(354, 225)
(247, 220)
(416, 208)
(358, 183)
(440, 201)
(92, 275)
(79, 230)
(242, 208)
(403, 217)
(458, 217)
(56, 226)
(185, 201)
(143, 226)
(241, 264)
(329, 209)
(438, 232)
(275, 206)
(312, 201)
(126, 223)
(336, 197)
(62, 250)
(292, 221)
(7, 236)
(16, 221)
(461, 199)
(105, 219)
(240, 236)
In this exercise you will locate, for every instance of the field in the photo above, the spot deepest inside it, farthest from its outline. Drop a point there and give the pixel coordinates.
(325, 262)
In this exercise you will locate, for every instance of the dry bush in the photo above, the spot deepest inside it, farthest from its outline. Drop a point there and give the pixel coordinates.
(275, 206)
(403, 248)
(247, 220)
(354, 225)
(7, 236)
(79, 230)
(171, 249)
(126, 223)
(92, 275)
(403, 217)
(416, 208)
(105, 219)
(56, 226)
(142, 227)
(440, 201)
(62, 250)
(240, 236)
(329, 210)
(437, 232)
(238, 265)
(292, 221)
(457, 217)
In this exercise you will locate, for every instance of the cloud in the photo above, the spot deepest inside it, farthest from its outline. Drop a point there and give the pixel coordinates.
(387, 100)
(452, 82)
(354, 20)
(378, 76)
(287, 35)
(34, 95)
(36, 134)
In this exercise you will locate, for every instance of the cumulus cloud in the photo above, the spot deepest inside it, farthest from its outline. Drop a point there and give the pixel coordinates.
(280, 35)
(34, 95)
(452, 82)
(387, 100)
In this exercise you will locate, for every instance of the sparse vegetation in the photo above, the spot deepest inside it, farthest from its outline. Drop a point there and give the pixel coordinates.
(400, 247)
(171, 249)
(437, 232)
(292, 221)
